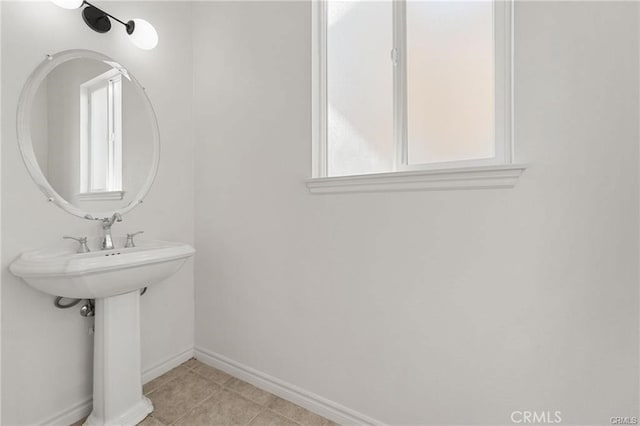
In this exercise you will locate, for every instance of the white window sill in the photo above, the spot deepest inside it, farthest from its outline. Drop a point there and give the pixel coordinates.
(481, 177)
(101, 196)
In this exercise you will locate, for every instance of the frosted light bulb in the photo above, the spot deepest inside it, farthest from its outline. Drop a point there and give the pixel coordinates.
(68, 4)
(143, 35)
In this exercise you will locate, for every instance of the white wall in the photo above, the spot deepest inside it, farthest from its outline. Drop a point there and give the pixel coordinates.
(452, 307)
(47, 352)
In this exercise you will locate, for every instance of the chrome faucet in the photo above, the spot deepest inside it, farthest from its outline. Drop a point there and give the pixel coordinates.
(107, 241)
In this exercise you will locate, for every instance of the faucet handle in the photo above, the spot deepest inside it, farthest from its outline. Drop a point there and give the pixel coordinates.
(82, 248)
(130, 242)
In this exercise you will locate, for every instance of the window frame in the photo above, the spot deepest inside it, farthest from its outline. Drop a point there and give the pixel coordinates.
(503, 93)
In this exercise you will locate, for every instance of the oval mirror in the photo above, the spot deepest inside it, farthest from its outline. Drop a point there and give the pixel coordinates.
(88, 134)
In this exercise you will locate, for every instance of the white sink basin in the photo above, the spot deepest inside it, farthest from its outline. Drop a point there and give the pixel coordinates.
(60, 271)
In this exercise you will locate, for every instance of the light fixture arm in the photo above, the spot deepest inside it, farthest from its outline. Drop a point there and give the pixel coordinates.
(130, 25)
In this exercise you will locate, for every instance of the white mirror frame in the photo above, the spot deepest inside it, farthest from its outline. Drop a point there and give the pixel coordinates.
(26, 144)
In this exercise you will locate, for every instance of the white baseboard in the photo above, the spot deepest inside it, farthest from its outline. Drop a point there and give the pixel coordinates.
(166, 364)
(312, 402)
(70, 415)
(315, 403)
(83, 409)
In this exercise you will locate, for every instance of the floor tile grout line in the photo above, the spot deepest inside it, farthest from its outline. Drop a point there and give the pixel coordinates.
(197, 405)
(177, 377)
(211, 380)
(189, 370)
(246, 398)
(193, 369)
(156, 419)
(167, 382)
(282, 415)
(257, 414)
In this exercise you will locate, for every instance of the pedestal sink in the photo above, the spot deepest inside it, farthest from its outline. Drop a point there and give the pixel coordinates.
(114, 279)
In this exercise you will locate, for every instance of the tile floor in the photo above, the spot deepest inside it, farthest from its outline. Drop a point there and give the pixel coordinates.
(195, 394)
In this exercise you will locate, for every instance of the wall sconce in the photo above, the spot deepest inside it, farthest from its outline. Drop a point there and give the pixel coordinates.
(141, 33)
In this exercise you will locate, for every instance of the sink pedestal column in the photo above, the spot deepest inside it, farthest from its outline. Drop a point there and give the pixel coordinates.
(117, 370)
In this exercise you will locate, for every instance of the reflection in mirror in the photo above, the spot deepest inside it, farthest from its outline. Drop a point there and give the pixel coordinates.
(92, 136)
(101, 135)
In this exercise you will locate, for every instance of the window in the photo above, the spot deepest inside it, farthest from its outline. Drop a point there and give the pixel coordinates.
(403, 86)
(101, 138)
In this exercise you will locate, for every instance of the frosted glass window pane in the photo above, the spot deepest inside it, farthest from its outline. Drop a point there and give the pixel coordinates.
(359, 87)
(99, 148)
(450, 80)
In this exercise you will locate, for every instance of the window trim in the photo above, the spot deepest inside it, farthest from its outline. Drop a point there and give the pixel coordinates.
(504, 99)
(479, 177)
(101, 196)
(319, 87)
